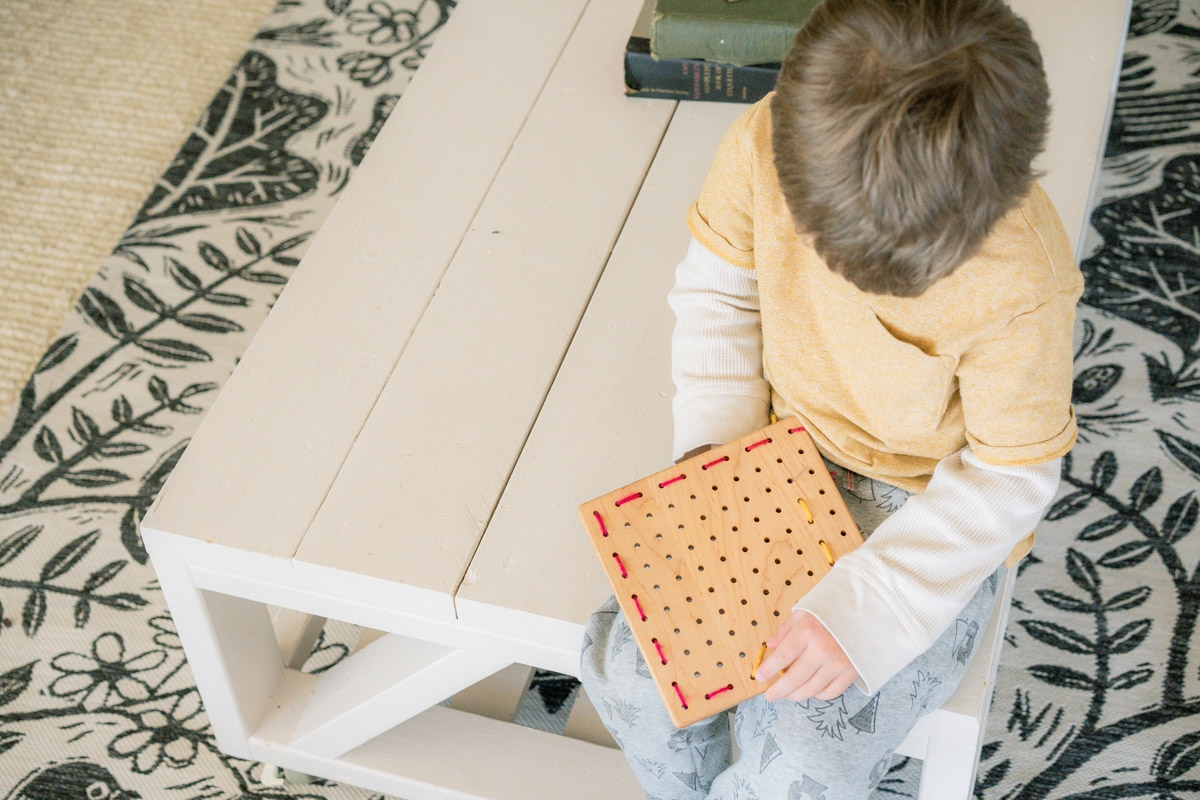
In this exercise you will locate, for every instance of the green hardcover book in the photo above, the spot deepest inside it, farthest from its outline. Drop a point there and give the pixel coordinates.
(738, 33)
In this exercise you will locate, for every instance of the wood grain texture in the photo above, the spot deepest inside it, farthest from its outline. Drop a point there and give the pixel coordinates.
(707, 557)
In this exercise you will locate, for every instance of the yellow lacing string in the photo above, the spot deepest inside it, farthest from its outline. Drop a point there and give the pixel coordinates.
(807, 514)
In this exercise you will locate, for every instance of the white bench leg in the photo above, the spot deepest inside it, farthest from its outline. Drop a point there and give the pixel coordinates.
(231, 649)
(947, 772)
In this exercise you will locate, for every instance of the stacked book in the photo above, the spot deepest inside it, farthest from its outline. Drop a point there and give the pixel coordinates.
(723, 50)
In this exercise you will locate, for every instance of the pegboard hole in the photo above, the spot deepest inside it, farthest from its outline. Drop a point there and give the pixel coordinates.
(745, 601)
(799, 552)
(709, 642)
(801, 452)
(678, 578)
(745, 499)
(741, 655)
(732, 633)
(699, 621)
(723, 558)
(712, 538)
(690, 546)
(720, 611)
(820, 491)
(766, 540)
(753, 624)
(685, 652)
(790, 480)
(697, 675)
(736, 478)
(688, 599)
(666, 609)
(734, 528)
(812, 472)
(810, 572)
(766, 591)
(745, 549)
(658, 536)
(758, 469)
(787, 583)
(733, 580)
(768, 489)
(677, 632)
(669, 557)
(720, 665)
(843, 533)
(776, 613)
(787, 530)
(711, 589)
(832, 512)
(756, 519)
(700, 568)
(703, 517)
(777, 561)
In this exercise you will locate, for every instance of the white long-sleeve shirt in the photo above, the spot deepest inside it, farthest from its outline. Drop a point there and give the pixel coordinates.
(888, 601)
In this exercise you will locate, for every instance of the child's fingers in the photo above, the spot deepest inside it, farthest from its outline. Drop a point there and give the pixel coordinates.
(777, 660)
(797, 676)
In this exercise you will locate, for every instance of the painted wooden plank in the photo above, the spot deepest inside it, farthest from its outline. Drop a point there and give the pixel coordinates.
(584, 722)
(387, 606)
(445, 754)
(386, 683)
(296, 633)
(607, 421)
(1081, 43)
(414, 494)
(497, 696)
(294, 405)
(231, 650)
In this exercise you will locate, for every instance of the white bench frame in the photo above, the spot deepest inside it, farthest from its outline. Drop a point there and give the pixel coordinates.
(499, 355)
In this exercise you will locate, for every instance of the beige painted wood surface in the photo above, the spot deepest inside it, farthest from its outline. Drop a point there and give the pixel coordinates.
(416, 491)
(607, 421)
(292, 409)
(1081, 43)
(707, 557)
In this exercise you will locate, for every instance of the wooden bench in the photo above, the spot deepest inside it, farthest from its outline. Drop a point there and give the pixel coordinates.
(476, 342)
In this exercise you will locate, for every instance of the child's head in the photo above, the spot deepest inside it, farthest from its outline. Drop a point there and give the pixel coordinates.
(903, 130)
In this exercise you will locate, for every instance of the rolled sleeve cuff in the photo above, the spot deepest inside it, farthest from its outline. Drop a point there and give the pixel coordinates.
(1027, 455)
(714, 242)
(716, 419)
(841, 601)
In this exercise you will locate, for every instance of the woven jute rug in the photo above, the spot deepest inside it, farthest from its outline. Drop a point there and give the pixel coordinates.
(95, 98)
(1099, 688)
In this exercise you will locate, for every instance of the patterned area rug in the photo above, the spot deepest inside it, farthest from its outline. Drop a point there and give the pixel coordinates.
(1099, 691)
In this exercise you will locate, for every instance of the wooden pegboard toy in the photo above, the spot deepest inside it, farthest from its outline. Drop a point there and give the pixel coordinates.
(708, 557)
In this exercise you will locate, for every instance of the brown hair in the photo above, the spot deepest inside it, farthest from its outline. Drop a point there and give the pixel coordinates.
(903, 130)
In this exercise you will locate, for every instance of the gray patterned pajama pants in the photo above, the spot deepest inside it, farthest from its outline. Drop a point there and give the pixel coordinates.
(816, 750)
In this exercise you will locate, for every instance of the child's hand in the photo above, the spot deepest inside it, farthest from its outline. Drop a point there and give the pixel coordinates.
(816, 664)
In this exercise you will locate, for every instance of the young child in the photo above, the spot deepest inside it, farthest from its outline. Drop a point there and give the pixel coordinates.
(872, 254)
